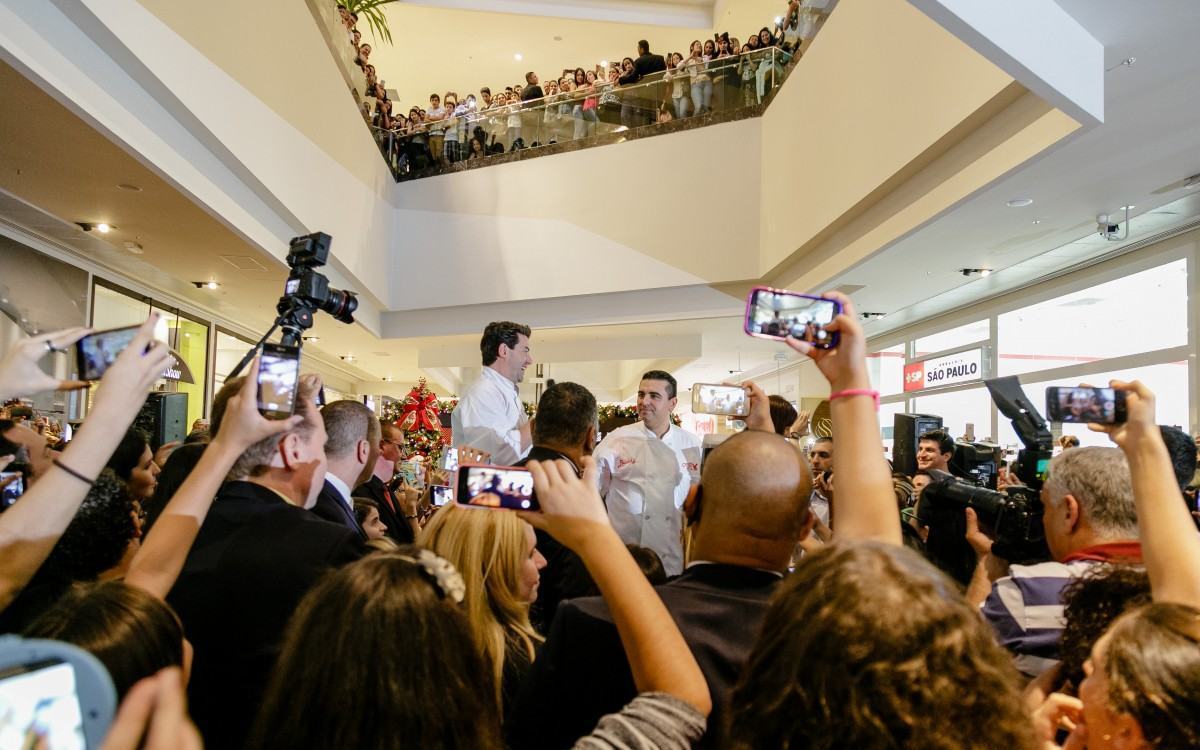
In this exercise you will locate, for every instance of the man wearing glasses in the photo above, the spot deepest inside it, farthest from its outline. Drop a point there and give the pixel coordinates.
(820, 457)
(397, 510)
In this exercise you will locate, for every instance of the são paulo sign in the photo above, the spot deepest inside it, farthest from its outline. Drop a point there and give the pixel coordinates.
(951, 369)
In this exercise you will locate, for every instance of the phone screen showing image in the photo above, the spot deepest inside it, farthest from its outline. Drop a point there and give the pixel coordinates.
(1084, 405)
(41, 699)
(440, 495)
(777, 314)
(728, 400)
(96, 352)
(278, 379)
(496, 487)
(13, 490)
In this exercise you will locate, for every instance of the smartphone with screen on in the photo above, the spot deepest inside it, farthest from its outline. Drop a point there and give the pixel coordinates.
(12, 491)
(96, 352)
(41, 697)
(440, 494)
(278, 380)
(1084, 405)
(778, 313)
(507, 487)
(727, 400)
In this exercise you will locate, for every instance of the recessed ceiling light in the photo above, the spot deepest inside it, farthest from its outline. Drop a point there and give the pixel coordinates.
(1128, 208)
(1037, 221)
(349, 358)
(206, 284)
(604, 64)
(134, 247)
(864, 316)
(778, 20)
(311, 339)
(518, 57)
(973, 271)
(130, 188)
(103, 228)
(388, 379)
(1020, 202)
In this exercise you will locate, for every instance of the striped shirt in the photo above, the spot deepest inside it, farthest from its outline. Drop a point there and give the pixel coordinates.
(1025, 609)
(651, 721)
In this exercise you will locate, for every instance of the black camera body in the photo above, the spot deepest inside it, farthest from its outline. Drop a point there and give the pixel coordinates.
(1012, 518)
(308, 290)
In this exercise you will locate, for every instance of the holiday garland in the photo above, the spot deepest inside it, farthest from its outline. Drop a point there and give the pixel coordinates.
(417, 416)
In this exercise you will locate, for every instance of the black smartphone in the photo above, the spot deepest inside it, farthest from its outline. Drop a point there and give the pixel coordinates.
(440, 494)
(278, 380)
(1084, 405)
(508, 487)
(778, 313)
(726, 400)
(96, 352)
(12, 491)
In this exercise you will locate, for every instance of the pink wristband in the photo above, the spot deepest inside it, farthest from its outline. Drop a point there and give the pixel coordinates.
(857, 392)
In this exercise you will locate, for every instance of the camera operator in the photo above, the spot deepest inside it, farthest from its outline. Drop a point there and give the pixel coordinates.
(935, 449)
(1089, 518)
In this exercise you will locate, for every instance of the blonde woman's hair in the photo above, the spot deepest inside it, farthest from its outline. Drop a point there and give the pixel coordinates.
(488, 548)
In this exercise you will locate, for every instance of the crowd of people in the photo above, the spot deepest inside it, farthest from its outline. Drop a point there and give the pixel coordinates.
(717, 74)
(659, 598)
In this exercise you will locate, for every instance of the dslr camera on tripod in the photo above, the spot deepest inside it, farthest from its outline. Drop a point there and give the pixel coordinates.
(1013, 518)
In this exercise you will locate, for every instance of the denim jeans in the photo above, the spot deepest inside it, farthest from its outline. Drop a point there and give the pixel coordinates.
(585, 121)
(681, 106)
(701, 96)
(765, 78)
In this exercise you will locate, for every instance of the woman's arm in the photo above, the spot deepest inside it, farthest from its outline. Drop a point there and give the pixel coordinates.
(30, 528)
(865, 505)
(573, 513)
(157, 565)
(1170, 545)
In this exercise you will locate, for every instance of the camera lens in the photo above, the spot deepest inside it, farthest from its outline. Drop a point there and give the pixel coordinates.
(341, 305)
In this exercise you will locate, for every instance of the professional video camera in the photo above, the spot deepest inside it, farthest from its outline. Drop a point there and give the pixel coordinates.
(1013, 518)
(305, 291)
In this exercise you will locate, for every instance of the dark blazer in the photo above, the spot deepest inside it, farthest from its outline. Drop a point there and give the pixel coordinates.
(332, 508)
(581, 673)
(648, 64)
(565, 576)
(398, 528)
(253, 560)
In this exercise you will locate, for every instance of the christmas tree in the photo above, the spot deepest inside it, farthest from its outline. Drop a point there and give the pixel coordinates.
(418, 417)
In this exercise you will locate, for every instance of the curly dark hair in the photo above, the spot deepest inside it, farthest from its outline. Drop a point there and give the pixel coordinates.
(1153, 668)
(1091, 602)
(501, 332)
(867, 645)
(98, 535)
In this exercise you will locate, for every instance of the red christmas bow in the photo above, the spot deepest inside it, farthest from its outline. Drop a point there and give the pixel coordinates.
(420, 412)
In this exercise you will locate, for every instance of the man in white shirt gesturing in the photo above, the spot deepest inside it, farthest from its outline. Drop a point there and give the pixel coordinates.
(490, 416)
(646, 470)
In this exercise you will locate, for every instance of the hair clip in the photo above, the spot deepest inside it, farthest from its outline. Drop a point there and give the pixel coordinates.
(443, 573)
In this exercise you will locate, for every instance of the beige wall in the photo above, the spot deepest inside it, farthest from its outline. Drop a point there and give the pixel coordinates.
(741, 18)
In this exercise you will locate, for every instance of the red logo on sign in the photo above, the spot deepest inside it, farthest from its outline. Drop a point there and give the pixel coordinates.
(914, 376)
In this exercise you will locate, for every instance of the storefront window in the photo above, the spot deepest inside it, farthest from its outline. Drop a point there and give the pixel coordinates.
(112, 308)
(958, 409)
(230, 350)
(886, 369)
(970, 333)
(1105, 321)
(1168, 381)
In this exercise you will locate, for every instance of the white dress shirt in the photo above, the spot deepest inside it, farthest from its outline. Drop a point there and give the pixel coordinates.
(341, 488)
(489, 417)
(645, 481)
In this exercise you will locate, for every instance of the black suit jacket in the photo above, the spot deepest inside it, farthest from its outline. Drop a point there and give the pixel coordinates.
(565, 576)
(398, 528)
(332, 508)
(582, 674)
(253, 560)
(649, 64)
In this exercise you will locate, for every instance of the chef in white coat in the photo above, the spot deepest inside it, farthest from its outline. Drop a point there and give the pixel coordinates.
(490, 416)
(646, 470)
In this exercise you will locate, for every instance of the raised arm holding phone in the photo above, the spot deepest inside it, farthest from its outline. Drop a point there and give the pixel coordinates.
(31, 527)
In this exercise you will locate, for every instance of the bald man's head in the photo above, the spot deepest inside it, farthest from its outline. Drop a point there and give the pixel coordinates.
(754, 493)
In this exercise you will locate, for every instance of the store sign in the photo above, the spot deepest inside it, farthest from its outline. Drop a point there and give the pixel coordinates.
(178, 369)
(952, 369)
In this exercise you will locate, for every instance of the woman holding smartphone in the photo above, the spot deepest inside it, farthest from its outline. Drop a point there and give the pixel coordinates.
(701, 82)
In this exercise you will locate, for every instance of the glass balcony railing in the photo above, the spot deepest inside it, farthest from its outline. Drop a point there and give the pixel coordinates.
(594, 113)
